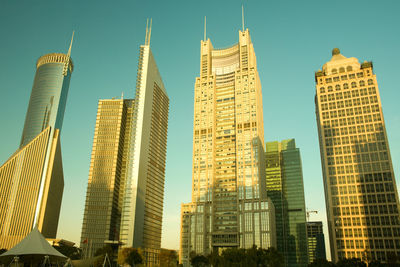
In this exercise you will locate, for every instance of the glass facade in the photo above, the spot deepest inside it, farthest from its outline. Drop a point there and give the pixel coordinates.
(49, 96)
(315, 241)
(284, 183)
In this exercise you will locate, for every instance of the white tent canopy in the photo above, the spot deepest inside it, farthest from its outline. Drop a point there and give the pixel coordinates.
(33, 246)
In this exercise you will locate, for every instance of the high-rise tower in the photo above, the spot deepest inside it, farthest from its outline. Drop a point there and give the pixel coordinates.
(142, 210)
(362, 202)
(107, 174)
(229, 206)
(284, 183)
(315, 241)
(31, 180)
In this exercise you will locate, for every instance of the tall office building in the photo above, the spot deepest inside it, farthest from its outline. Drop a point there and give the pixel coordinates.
(31, 180)
(127, 171)
(107, 174)
(284, 183)
(315, 241)
(362, 202)
(229, 206)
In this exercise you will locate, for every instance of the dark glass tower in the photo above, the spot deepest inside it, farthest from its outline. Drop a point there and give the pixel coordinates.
(284, 182)
(49, 95)
(32, 179)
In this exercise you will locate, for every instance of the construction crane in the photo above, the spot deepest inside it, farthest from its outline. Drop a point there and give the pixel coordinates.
(308, 213)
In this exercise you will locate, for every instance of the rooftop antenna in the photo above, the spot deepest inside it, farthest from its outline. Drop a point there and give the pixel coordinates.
(205, 24)
(65, 70)
(242, 18)
(122, 95)
(148, 39)
(147, 31)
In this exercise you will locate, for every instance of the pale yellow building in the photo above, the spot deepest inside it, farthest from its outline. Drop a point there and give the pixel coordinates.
(362, 201)
(32, 180)
(125, 196)
(229, 207)
(107, 174)
(21, 177)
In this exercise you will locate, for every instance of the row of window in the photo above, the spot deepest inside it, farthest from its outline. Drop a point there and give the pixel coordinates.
(345, 86)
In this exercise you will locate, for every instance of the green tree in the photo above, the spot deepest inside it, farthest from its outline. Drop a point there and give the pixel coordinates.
(376, 263)
(168, 258)
(198, 260)
(321, 263)
(107, 249)
(353, 262)
(71, 252)
(393, 260)
(270, 257)
(131, 256)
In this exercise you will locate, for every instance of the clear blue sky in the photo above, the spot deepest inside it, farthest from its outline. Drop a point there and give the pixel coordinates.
(292, 39)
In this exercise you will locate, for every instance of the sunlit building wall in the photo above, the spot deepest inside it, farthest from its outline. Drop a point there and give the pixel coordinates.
(142, 211)
(32, 179)
(284, 184)
(229, 206)
(107, 174)
(361, 196)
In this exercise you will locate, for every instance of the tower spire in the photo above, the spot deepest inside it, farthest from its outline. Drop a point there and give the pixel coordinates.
(148, 39)
(147, 31)
(205, 24)
(65, 70)
(242, 18)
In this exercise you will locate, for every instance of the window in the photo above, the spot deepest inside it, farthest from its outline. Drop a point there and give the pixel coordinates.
(353, 85)
(349, 68)
(345, 86)
(337, 87)
(362, 83)
(322, 90)
(341, 70)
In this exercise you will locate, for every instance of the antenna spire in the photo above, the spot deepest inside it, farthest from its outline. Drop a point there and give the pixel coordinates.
(205, 24)
(147, 31)
(242, 18)
(148, 39)
(65, 70)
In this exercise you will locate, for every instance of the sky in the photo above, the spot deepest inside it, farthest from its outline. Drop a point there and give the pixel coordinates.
(292, 40)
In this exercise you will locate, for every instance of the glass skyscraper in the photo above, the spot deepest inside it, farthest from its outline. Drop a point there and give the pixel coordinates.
(229, 206)
(362, 202)
(48, 97)
(284, 184)
(32, 180)
(129, 155)
(315, 241)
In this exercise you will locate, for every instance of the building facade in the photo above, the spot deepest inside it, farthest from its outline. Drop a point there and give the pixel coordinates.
(361, 196)
(107, 174)
(31, 180)
(229, 206)
(127, 172)
(315, 241)
(284, 184)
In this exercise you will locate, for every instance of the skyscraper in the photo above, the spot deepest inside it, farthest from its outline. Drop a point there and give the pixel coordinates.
(229, 207)
(142, 209)
(129, 178)
(362, 202)
(315, 241)
(31, 180)
(284, 183)
(107, 174)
